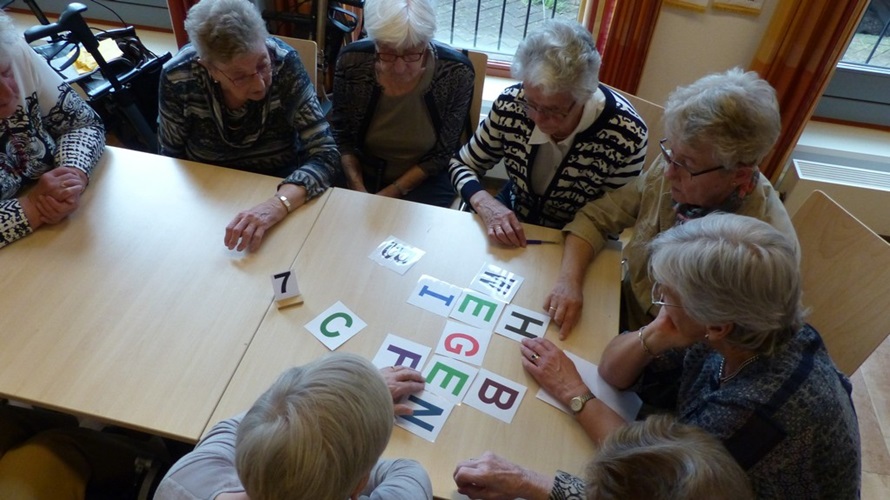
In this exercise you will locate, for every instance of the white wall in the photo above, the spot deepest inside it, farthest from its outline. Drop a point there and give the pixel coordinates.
(689, 44)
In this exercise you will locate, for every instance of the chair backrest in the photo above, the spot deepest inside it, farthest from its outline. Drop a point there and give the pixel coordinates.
(308, 51)
(480, 63)
(652, 114)
(845, 268)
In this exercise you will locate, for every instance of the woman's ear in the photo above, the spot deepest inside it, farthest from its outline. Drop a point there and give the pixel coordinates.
(361, 486)
(719, 332)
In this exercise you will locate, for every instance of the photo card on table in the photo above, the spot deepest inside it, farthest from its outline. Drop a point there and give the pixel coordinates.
(495, 395)
(335, 325)
(518, 323)
(430, 414)
(395, 254)
(497, 282)
(436, 296)
(399, 351)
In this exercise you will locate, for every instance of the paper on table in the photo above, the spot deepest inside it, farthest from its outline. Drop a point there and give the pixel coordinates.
(625, 403)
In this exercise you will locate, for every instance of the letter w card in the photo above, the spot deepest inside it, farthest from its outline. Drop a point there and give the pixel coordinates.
(495, 395)
(430, 414)
(496, 282)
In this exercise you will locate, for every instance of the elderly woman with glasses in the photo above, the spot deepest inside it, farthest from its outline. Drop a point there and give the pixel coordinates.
(718, 129)
(401, 102)
(729, 352)
(564, 138)
(238, 98)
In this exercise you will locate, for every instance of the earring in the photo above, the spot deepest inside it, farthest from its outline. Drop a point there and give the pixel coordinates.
(707, 336)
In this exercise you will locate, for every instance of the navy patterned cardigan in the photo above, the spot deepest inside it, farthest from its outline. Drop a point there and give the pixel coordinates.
(605, 156)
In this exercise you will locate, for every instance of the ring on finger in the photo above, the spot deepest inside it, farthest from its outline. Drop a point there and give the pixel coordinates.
(535, 357)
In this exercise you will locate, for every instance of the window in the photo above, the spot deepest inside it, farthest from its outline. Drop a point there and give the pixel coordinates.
(860, 89)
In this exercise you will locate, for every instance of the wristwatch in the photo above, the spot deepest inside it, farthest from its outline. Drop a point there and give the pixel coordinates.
(284, 201)
(577, 403)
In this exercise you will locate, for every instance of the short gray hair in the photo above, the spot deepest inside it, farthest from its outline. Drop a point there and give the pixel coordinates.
(317, 432)
(221, 30)
(734, 112)
(559, 57)
(733, 269)
(400, 23)
(662, 459)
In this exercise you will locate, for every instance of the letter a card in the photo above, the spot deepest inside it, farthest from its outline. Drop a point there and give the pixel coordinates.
(496, 282)
(463, 342)
(495, 395)
(518, 323)
(399, 351)
(430, 414)
(395, 254)
(335, 326)
(436, 296)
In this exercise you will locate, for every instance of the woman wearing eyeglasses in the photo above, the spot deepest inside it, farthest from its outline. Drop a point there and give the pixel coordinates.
(401, 102)
(728, 352)
(718, 129)
(238, 98)
(564, 138)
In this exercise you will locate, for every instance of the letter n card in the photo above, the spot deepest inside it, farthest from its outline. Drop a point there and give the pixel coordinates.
(430, 414)
(495, 395)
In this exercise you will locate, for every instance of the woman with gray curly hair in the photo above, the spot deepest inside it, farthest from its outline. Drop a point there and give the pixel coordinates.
(564, 138)
(717, 130)
(401, 102)
(239, 98)
(728, 352)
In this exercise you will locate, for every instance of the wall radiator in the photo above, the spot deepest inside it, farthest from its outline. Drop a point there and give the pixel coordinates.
(864, 193)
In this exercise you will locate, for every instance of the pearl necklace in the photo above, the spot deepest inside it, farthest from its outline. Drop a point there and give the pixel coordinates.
(732, 375)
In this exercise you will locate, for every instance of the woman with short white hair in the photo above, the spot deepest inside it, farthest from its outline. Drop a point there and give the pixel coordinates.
(401, 102)
(316, 434)
(728, 352)
(564, 139)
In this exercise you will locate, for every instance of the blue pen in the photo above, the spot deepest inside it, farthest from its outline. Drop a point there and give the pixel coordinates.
(541, 242)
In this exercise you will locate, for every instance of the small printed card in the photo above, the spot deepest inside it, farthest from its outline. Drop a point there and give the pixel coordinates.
(399, 351)
(464, 342)
(335, 326)
(396, 255)
(477, 309)
(430, 414)
(518, 323)
(497, 282)
(449, 378)
(495, 395)
(436, 296)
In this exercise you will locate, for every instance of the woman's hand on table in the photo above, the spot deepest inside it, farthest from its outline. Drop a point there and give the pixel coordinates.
(491, 477)
(564, 304)
(552, 369)
(402, 381)
(247, 229)
(57, 194)
(501, 223)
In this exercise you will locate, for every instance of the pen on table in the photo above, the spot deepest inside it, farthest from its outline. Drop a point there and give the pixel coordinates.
(541, 242)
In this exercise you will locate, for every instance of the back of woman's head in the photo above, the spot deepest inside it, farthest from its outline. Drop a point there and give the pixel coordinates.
(221, 30)
(316, 433)
(733, 269)
(400, 23)
(662, 459)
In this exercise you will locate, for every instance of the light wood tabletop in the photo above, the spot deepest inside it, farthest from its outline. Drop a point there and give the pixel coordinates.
(334, 266)
(133, 311)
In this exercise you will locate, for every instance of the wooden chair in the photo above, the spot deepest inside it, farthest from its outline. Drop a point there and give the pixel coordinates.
(480, 64)
(308, 51)
(652, 114)
(845, 268)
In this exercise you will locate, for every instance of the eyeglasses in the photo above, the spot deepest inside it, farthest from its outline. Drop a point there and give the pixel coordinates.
(263, 71)
(658, 296)
(553, 113)
(670, 159)
(408, 58)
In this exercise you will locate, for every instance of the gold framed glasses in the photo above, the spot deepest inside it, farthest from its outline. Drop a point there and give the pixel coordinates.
(668, 155)
(658, 296)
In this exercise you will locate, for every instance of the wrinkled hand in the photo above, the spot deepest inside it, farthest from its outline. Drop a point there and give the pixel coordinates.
(501, 223)
(491, 477)
(57, 193)
(248, 227)
(552, 369)
(563, 304)
(402, 381)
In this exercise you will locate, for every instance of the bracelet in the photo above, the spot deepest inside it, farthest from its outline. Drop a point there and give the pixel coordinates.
(400, 188)
(643, 342)
(284, 201)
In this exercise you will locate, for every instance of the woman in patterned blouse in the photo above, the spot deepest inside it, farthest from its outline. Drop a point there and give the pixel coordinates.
(50, 138)
(238, 98)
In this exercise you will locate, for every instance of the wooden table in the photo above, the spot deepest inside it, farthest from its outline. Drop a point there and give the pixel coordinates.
(334, 265)
(133, 311)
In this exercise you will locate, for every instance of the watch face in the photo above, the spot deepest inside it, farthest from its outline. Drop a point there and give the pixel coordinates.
(577, 404)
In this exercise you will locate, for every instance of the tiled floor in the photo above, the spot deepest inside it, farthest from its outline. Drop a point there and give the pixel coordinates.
(871, 384)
